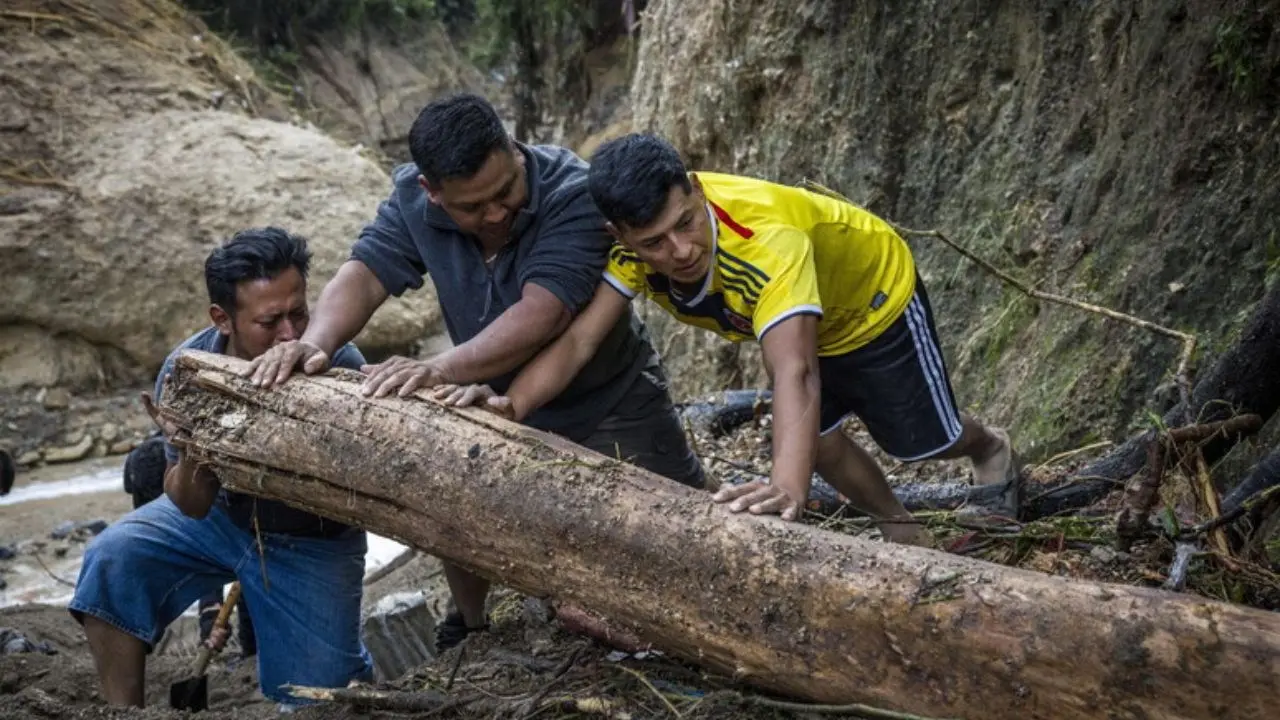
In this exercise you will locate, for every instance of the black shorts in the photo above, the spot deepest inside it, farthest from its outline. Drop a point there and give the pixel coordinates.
(644, 429)
(897, 385)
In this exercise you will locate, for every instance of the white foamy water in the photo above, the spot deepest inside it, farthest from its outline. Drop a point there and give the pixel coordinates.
(30, 583)
(97, 481)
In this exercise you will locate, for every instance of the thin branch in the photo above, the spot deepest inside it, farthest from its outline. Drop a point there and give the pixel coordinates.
(866, 711)
(50, 572)
(1072, 453)
(1231, 516)
(376, 699)
(534, 704)
(1188, 341)
(652, 689)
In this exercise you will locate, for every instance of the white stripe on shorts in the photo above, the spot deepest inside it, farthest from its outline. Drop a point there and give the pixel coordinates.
(931, 360)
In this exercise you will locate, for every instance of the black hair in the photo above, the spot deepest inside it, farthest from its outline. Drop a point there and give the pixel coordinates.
(452, 137)
(253, 254)
(632, 176)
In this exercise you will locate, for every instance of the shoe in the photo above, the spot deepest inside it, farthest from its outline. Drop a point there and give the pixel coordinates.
(453, 630)
(1002, 496)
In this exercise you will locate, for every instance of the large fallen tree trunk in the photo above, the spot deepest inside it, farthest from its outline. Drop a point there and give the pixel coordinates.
(783, 606)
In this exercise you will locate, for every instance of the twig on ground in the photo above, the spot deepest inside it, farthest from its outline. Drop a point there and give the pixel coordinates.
(376, 699)
(639, 675)
(50, 572)
(24, 15)
(457, 663)
(866, 711)
(1140, 496)
(1072, 453)
(1209, 496)
(738, 465)
(1181, 563)
(532, 706)
(1230, 516)
(1231, 426)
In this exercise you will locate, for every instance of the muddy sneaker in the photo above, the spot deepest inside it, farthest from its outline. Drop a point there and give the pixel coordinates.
(998, 485)
(453, 630)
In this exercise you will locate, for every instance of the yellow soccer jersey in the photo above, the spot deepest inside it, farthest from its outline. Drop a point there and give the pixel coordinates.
(781, 251)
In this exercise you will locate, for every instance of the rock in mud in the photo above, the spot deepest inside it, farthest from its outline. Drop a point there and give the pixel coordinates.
(398, 632)
(13, 642)
(10, 682)
(29, 458)
(70, 453)
(71, 528)
(55, 398)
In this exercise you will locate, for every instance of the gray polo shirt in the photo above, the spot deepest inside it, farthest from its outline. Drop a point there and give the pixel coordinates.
(559, 243)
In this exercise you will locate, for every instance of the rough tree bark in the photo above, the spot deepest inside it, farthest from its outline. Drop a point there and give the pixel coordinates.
(783, 606)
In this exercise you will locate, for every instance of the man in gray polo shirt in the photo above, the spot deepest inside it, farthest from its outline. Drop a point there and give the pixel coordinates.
(516, 248)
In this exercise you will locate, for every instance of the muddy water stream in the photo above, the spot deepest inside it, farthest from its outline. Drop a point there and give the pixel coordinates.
(49, 496)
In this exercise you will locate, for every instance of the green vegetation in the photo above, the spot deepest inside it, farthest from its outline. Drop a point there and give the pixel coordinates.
(274, 26)
(1240, 54)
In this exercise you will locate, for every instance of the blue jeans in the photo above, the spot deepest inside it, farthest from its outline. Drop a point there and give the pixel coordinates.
(144, 571)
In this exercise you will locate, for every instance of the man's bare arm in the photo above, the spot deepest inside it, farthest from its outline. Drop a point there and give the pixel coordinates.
(344, 308)
(556, 366)
(507, 343)
(190, 487)
(790, 352)
(511, 339)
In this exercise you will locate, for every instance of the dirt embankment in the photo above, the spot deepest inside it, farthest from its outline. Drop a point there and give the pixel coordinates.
(132, 141)
(1121, 152)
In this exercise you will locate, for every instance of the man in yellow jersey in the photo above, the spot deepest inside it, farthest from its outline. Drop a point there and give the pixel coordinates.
(828, 289)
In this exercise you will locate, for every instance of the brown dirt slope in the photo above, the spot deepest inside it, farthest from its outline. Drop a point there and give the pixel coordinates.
(131, 142)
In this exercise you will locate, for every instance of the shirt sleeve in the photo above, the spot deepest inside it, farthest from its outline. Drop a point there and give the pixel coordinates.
(571, 249)
(625, 272)
(349, 357)
(386, 248)
(792, 288)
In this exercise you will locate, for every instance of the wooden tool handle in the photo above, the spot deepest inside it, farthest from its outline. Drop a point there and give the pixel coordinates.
(224, 614)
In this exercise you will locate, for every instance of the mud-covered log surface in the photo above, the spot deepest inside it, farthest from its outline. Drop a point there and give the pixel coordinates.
(783, 606)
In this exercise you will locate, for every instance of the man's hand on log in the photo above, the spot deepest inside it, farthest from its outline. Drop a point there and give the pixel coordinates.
(477, 395)
(760, 498)
(403, 374)
(273, 367)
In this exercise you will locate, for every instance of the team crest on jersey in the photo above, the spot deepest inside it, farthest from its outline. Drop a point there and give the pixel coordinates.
(740, 323)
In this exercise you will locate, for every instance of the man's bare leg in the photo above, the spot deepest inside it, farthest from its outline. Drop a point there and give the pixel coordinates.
(987, 448)
(856, 475)
(121, 660)
(469, 593)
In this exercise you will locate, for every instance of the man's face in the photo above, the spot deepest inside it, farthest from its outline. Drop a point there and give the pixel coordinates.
(268, 311)
(678, 243)
(485, 204)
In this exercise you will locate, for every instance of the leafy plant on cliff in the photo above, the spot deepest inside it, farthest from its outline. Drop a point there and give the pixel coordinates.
(276, 27)
(1240, 54)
